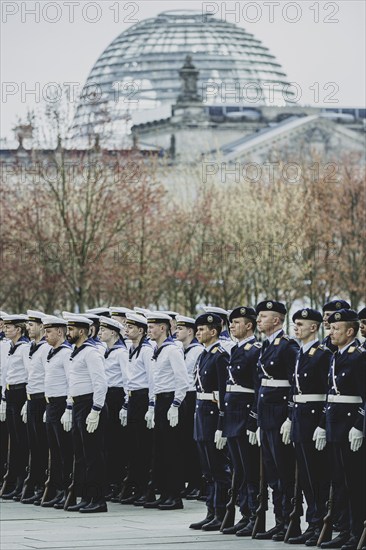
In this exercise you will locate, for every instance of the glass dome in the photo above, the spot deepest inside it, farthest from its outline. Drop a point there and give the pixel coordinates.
(136, 78)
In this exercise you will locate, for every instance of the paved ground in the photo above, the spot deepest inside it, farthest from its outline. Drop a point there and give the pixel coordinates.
(123, 527)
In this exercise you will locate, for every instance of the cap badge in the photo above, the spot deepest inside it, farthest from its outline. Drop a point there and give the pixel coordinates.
(304, 313)
(210, 319)
(337, 316)
(269, 305)
(242, 310)
(338, 305)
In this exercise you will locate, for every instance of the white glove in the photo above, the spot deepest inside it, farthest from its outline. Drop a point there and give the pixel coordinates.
(92, 421)
(252, 436)
(149, 417)
(258, 432)
(219, 440)
(355, 437)
(23, 413)
(173, 415)
(123, 417)
(285, 431)
(319, 436)
(2, 411)
(44, 416)
(66, 420)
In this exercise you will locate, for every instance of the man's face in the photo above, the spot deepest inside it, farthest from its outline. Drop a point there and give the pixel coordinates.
(106, 334)
(205, 334)
(12, 332)
(133, 332)
(304, 328)
(340, 334)
(239, 328)
(155, 330)
(183, 333)
(34, 329)
(2, 325)
(266, 321)
(53, 335)
(363, 327)
(73, 334)
(326, 316)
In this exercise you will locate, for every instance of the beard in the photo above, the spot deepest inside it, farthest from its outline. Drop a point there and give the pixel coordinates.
(72, 339)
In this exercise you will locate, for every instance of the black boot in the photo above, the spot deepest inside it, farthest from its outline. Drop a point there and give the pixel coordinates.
(338, 542)
(199, 524)
(247, 529)
(267, 535)
(55, 500)
(215, 524)
(95, 506)
(313, 540)
(235, 528)
(76, 507)
(61, 503)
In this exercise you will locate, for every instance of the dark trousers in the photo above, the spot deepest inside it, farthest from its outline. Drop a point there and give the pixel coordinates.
(245, 461)
(216, 471)
(60, 446)
(116, 444)
(313, 471)
(279, 467)
(18, 442)
(140, 440)
(37, 439)
(89, 472)
(348, 478)
(167, 464)
(192, 468)
(4, 436)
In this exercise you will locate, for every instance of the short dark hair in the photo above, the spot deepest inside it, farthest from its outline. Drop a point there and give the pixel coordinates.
(353, 324)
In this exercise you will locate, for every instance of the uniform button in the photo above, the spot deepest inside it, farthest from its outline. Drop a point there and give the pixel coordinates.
(226, 404)
(296, 405)
(348, 414)
(305, 374)
(248, 406)
(284, 396)
(328, 408)
(238, 368)
(205, 372)
(261, 394)
(313, 411)
(211, 412)
(271, 363)
(343, 373)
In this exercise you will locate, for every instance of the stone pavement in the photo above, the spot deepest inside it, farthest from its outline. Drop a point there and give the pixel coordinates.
(123, 527)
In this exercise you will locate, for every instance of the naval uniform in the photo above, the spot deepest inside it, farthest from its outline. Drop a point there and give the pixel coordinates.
(345, 398)
(170, 386)
(115, 364)
(276, 366)
(4, 348)
(59, 441)
(210, 379)
(15, 376)
(192, 469)
(140, 392)
(36, 407)
(239, 400)
(88, 389)
(309, 389)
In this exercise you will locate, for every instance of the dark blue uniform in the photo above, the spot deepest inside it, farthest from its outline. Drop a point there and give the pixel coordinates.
(211, 377)
(276, 366)
(308, 387)
(238, 404)
(347, 378)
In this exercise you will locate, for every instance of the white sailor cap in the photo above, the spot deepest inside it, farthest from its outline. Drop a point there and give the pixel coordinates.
(108, 322)
(15, 318)
(49, 321)
(35, 315)
(94, 317)
(158, 317)
(136, 319)
(105, 311)
(172, 314)
(119, 311)
(142, 311)
(185, 321)
(76, 320)
(218, 310)
(3, 314)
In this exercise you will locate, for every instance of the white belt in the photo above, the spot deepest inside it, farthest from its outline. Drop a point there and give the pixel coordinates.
(237, 388)
(273, 383)
(207, 396)
(307, 397)
(344, 399)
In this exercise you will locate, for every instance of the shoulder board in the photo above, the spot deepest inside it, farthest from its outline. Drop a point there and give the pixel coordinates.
(215, 349)
(322, 347)
(312, 351)
(285, 337)
(257, 345)
(351, 349)
(277, 341)
(248, 346)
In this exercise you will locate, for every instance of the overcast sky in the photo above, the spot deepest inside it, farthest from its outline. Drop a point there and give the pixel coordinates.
(320, 45)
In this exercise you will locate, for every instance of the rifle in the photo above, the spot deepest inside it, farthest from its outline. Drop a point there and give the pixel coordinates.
(297, 511)
(71, 496)
(362, 541)
(260, 522)
(229, 517)
(327, 530)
